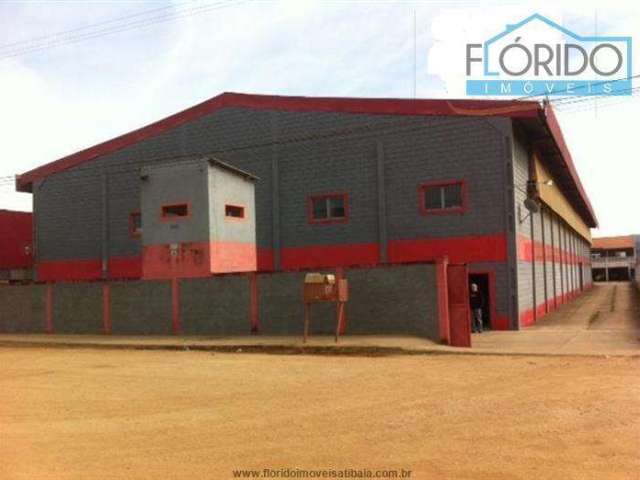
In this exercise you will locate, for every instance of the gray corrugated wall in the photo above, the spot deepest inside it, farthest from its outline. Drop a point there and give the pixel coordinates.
(417, 150)
(550, 288)
(564, 238)
(523, 224)
(22, 309)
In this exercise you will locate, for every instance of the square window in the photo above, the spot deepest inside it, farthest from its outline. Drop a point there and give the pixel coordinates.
(328, 208)
(432, 199)
(453, 196)
(233, 211)
(336, 207)
(179, 210)
(443, 197)
(320, 211)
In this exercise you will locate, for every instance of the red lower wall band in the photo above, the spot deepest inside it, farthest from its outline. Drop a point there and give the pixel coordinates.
(464, 249)
(533, 250)
(528, 317)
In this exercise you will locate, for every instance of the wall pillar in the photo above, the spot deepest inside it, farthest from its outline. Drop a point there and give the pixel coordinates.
(175, 306)
(49, 309)
(254, 311)
(106, 308)
(343, 318)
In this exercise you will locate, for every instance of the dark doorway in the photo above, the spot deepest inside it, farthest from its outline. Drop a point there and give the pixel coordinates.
(619, 274)
(482, 280)
(598, 274)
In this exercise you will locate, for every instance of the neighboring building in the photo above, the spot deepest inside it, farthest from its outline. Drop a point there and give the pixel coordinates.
(16, 259)
(342, 183)
(614, 258)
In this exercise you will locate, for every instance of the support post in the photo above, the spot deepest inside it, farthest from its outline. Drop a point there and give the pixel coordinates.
(175, 306)
(106, 308)
(254, 307)
(49, 309)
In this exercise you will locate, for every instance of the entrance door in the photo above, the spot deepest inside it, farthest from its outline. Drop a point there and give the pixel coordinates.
(482, 281)
(459, 313)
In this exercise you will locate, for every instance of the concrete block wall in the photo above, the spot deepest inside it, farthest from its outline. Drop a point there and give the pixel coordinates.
(77, 308)
(22, 309)
(218, 305)
(141, 308)
(281, 309)
(393, 300)
(295, 154)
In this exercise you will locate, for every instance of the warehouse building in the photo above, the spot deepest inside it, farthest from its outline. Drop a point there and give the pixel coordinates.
(326, 183)
(16, 260)
(614, 258)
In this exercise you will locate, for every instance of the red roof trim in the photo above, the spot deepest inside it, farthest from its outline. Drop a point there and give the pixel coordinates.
(626, 241)
(509, 108)
(556, 132)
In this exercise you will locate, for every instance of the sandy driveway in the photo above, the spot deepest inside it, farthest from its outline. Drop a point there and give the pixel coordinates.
(85, 414)
(605, 320)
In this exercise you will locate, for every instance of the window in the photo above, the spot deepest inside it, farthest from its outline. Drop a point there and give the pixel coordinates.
(443, 197)
(328, 208)
(135, 224)
(234, 212)
(175, 211)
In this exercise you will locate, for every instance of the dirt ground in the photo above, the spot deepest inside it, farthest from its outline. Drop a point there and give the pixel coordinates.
(84, 414)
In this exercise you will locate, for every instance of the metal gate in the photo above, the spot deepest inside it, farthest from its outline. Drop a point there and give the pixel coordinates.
(459, 312)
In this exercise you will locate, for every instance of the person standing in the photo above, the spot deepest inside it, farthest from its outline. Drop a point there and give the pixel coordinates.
(476, 302)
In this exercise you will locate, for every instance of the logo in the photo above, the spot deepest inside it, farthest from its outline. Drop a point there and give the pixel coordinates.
(539, 57)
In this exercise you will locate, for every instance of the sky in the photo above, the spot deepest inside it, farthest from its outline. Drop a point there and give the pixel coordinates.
(58, 96)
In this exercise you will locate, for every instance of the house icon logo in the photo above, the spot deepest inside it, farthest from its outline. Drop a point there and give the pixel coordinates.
(537, 56)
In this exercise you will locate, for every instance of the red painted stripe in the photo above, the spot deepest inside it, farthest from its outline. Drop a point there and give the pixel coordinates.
(193, 259)
(228, 257)
(69, 270)
(198, 259)
(189, 261)
(528, 317)
(468, 249)
(125, 267)
(319, 256)
(265, 260)
(342, 321)
(529, 249)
